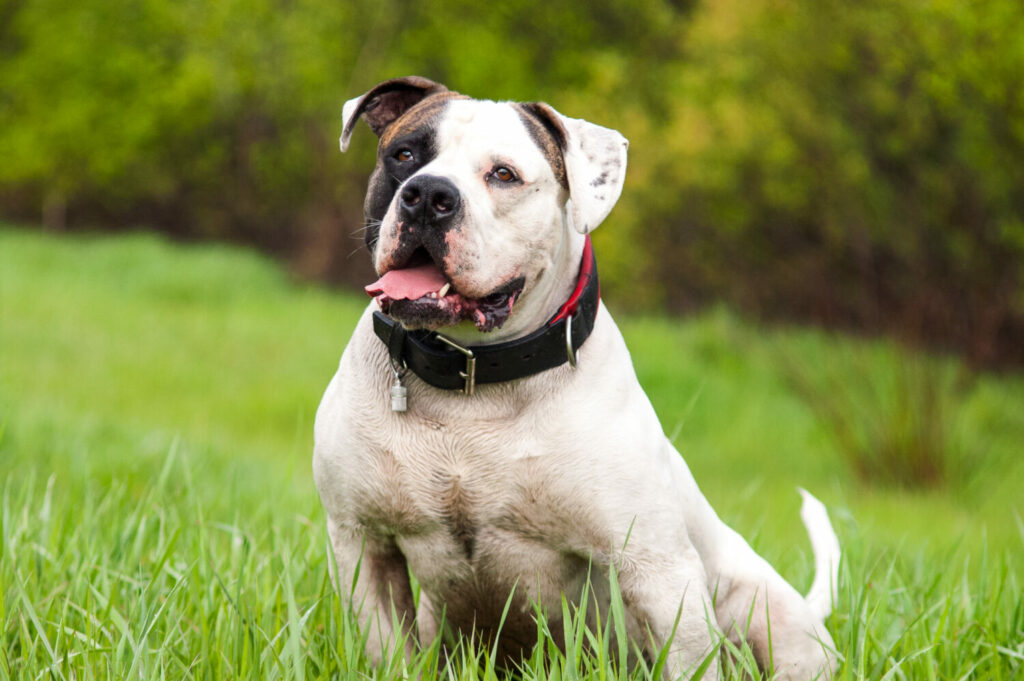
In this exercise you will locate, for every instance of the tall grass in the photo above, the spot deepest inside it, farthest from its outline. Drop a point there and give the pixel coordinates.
(894, 413)
(158, 519)
(120, 585)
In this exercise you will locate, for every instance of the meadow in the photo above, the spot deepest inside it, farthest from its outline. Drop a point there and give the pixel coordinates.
(158, 518)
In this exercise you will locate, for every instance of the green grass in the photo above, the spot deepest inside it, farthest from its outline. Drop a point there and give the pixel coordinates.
(158, 517)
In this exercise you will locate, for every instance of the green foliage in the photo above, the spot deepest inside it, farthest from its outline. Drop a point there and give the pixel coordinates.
(221, 119)
(858, 164)
(209, 114)
(158, 517)
(894, 414)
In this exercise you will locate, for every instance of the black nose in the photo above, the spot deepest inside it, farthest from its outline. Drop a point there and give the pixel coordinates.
(429, 198)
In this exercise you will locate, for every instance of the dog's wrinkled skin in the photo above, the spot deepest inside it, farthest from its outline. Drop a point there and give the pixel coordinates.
(531, 485)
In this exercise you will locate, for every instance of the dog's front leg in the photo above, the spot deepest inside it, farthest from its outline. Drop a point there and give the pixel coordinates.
(668, 594)
(373, 580)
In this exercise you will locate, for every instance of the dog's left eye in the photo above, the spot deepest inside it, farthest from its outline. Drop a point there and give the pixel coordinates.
(503, 174)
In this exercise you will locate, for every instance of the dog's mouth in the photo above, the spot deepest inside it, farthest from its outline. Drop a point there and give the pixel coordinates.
(421, 297)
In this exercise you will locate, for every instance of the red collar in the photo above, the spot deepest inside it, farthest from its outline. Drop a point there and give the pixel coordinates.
(588, 270)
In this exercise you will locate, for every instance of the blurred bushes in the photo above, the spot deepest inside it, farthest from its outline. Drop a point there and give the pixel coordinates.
(204, 119)
(853, 163)
(857, 163)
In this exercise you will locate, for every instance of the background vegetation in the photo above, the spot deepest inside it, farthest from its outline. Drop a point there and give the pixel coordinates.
(857, 164)
(158, 518)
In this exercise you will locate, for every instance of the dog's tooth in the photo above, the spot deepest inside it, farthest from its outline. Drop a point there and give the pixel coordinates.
(444, 289)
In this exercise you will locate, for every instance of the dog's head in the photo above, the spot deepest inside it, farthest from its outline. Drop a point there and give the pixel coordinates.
(478, 208)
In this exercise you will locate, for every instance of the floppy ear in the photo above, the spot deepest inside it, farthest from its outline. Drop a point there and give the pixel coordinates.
(383, 104)
(595, 164)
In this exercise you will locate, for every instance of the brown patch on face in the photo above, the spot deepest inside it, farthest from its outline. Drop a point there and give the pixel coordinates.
(422, 115)
(385, 102)
(546, 130)
(417, 128)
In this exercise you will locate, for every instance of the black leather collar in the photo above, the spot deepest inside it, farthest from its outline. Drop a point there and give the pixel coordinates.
(444, 364)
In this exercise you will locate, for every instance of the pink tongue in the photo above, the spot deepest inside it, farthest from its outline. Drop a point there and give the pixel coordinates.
(408, 284)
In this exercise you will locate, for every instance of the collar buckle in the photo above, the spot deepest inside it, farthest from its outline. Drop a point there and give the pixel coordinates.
(469, 375)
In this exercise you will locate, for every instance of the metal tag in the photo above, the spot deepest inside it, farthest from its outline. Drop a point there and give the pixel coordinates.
(399, 396)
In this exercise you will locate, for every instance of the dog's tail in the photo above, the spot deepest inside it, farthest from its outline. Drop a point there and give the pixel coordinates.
(825, 546)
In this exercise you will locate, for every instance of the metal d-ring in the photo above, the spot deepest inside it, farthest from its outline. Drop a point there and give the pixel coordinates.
(570, 353)
(398, 368)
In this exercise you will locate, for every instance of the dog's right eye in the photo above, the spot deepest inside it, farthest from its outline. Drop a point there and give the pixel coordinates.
(404, 155)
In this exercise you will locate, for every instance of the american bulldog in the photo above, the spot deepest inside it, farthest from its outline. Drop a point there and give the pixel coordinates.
(485, 430)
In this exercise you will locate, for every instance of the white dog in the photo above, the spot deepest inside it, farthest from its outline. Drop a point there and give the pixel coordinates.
(485, 430)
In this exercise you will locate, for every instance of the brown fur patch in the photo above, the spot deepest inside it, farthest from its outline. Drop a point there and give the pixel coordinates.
(424, 114)
(547, 132)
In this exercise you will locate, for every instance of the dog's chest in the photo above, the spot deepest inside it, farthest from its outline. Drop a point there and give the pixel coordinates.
(438, 481)
(467, 498)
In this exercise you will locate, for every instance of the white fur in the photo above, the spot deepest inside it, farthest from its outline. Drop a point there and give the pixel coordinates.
(527, 484)
(348, 120)
(596, 162)
(825, 544)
